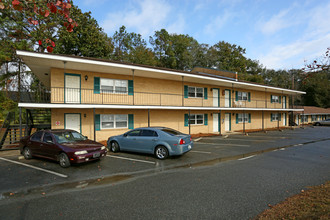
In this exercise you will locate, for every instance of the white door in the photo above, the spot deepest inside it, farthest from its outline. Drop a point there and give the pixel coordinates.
(284, 119)
(72, 121)
(284, 101)
(215, 122)
(227, 98)
(215, 97)
(227, 122)
(72, 89)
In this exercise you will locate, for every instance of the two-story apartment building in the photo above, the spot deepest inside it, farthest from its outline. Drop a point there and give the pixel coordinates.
(101, 98)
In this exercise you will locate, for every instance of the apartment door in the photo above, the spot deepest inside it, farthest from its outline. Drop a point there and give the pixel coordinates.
(72, 88)
(215, 97)
(284, 101)
(215, 122)
(284, 119)
(72, 121)
(227, 98)
(227, 122)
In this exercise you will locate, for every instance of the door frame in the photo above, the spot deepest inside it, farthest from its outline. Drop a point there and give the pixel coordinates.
(72, 74)
(229, 121)
(218, 121)
(72, 114)
(229, 97)
(218, 97)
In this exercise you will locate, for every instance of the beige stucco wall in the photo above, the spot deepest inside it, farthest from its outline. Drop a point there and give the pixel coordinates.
(150, 91)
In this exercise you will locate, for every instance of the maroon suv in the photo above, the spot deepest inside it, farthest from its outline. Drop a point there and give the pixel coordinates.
(64, 146)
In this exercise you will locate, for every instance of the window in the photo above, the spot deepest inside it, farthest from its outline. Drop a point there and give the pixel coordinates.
(197, 119)
(113, 121)
(195, 92)
(36, 136)
(242, 96)
(314, 117)
(275, 99)
(242, 117)
(134, 133)
(148, 133)
(113, 86)
(304, 118)
(171, 131)
(275, 116)
(47, 138)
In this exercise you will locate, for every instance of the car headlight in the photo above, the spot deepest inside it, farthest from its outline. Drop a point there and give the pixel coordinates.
(80, 152)
(103, 148)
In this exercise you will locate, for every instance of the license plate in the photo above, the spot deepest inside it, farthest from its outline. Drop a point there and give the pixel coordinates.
(189, 146)
(96, 155)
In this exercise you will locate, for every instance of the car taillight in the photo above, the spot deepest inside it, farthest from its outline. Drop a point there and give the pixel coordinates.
(182, 141)
(190, 139)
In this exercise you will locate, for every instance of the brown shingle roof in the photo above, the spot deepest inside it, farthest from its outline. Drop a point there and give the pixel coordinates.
(315, 110)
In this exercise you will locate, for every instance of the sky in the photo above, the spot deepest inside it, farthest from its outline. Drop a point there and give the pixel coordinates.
(281, 34)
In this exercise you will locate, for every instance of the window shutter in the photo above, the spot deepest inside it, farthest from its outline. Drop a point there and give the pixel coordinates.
(97, 123)
(279, 99)
(249, 96)
(97, 85)
(307, 118)
(205, 93)
(205, 119)
(236, 95)
(186, 120)
(186, 91)
(271, 99)
(271, 116)
(236, 118)
(279, 116)
(249, 117)
(130, 87)
(130, 121)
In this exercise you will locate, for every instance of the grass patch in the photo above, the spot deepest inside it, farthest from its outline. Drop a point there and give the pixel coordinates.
(313, 203)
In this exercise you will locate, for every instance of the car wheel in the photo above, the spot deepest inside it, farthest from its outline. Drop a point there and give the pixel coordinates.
(27, 153)
(161, 152)
(64, 160)
(317, 124)
(114, 146)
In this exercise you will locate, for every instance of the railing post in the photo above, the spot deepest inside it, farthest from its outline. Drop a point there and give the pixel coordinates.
(94, 124)
(263, 125)
(182, 91)
(20, 122)
(189, 121)
(244, 122)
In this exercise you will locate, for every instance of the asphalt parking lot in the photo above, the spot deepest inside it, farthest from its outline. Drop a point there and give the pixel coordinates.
(19, 176)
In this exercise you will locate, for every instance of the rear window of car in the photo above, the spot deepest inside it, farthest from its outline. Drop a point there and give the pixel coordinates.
(36, 136)
(171, 131)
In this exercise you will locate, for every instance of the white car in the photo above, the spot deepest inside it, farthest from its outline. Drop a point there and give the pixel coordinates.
(323, 122)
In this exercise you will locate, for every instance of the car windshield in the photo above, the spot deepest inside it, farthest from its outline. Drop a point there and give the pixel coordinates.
(171, 131)
(68, 136)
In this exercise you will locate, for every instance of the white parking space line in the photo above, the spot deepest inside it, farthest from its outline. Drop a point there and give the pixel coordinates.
(125, 158)
(245, 139)
(202, 152)
(34, 167)
(238, 145)
(244, 158)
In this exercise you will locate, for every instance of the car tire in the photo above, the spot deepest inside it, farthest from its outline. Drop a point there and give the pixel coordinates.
(64, 160)
(161, 152)
(317, 124)
(27, 153)
(114, 146)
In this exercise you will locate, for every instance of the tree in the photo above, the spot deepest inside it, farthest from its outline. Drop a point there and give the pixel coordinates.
(321, 64)
(87, 39)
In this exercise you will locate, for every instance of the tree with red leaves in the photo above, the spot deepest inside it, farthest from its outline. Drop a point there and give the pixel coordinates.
(321, 64)
(35, 21)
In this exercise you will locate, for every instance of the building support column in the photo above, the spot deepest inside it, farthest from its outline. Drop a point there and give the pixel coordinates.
(189, 121)
(133, 84)
(94, 124)
(263, 121)
(219, 122)
(278, 120)
(20, 123)
(148, 117)
(182, 91)
(244, 122)
(265, 97)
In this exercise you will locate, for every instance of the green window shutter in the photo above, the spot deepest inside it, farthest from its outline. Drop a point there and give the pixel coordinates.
(249, 117)
(97, 85)
(271, 99)
(279, 99)
(97, 123)
(236, 118)
(205, 93)
(249, 96)
(130, 87)
(186, 120)
(236, 95)
(307, 118)
(205, 119)
(271, 116)
(279, 116)
(185, 91)
(130, 121)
